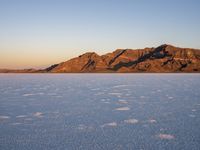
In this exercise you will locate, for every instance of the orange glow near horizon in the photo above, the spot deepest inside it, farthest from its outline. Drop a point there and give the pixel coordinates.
(39, 33)
(30, 59)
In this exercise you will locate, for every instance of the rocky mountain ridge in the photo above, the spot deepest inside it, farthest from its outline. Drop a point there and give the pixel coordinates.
(165, 58)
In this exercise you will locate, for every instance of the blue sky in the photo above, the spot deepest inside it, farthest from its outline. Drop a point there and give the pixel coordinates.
(37, 33)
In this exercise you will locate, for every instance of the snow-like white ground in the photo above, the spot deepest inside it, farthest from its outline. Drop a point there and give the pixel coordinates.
(99, 111)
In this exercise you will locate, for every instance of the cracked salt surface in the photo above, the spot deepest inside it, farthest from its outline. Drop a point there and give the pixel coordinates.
(99, 111)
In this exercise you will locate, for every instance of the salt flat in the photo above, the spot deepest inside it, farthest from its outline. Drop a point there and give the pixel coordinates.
(99, 111)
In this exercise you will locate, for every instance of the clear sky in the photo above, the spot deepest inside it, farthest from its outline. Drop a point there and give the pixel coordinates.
(37, 33)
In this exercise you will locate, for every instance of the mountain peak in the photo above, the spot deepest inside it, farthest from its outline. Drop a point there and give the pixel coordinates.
(89, 54)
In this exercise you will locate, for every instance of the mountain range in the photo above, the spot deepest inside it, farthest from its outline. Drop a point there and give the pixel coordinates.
(164, 59)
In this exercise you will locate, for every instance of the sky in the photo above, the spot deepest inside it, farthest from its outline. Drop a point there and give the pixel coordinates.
(38, 33)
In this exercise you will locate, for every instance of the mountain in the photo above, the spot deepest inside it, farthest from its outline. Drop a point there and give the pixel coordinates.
(165, 58)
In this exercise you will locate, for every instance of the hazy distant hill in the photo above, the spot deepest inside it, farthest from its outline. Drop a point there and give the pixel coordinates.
(165, 58)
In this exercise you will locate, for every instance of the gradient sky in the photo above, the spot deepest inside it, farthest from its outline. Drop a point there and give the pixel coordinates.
(37, 33)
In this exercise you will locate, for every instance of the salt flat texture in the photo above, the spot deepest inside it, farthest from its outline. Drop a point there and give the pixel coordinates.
(99, 111)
